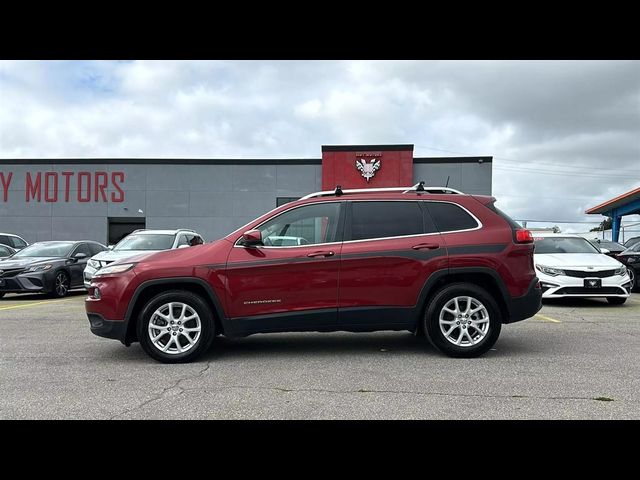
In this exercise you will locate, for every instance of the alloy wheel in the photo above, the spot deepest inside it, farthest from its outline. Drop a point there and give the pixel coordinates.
(61, 285)
(464, 321)
(174, 328)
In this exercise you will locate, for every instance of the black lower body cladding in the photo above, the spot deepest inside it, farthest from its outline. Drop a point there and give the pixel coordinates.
(526, 306)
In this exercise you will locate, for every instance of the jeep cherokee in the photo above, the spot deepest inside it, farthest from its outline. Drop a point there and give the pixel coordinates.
(434, 261)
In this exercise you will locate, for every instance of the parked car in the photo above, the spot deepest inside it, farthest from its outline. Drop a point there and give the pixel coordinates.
(608, 247)
(6, 251)
(13, 241)
(53, 267)
(139, 242)
(631, 242)
(446, 264)
(570, 266)
(631, 259)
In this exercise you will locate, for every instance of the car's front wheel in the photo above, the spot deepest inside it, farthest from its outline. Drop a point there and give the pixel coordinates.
(176, 327)
(61, 285)
(633, 277)
(616, 300)
(463, 320)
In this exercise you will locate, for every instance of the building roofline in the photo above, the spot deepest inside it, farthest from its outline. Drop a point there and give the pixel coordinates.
(213, 161)
(615, 202)
(365, 148)
(483, 159)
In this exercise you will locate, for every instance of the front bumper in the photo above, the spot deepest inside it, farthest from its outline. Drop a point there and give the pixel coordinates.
(107, 328)
(561, 286)
(87, 275)
(33, 282)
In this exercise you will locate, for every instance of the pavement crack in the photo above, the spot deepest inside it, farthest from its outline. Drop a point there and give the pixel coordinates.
(397, 392)
(164, 391)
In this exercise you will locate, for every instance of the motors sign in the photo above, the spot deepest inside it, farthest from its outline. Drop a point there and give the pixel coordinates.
(54, 187)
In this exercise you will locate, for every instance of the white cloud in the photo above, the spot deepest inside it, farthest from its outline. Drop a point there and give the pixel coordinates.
(544, 115)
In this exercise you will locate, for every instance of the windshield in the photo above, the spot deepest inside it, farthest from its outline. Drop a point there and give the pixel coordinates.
(50, 249)
(563, 245)
(153, 241)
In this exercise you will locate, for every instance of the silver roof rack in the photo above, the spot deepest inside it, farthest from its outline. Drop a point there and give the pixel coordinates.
(418, 187)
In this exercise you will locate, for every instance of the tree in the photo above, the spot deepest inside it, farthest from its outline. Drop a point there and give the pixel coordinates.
(604, 225)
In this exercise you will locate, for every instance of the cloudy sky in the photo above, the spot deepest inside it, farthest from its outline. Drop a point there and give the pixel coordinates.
(565, 135)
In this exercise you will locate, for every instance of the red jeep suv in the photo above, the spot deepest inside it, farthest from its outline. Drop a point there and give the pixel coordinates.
(433, 261)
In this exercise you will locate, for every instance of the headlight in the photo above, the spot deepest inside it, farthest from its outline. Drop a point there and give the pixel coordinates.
(621, 271)
(93, 263)
(39, 268)
(121, 268)
(550, 271)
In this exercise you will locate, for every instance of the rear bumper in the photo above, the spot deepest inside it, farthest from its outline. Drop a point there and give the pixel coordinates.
(107, 328)
(526, 306)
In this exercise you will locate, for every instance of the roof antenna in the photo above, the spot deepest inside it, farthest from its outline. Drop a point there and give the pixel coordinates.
(338, 191)
(448, 177)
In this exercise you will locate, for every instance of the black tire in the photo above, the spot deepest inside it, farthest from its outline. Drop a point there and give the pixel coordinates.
(634, 279)
(440, 300)
(616, 300)
(203, 341)
(61, 285)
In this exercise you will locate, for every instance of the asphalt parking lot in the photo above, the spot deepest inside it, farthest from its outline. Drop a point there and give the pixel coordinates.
(577, 359)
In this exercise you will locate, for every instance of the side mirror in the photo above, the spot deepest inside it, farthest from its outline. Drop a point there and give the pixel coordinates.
(252, 238)
(184, 246)
(605, 250)
(110, 247)
(80, 255)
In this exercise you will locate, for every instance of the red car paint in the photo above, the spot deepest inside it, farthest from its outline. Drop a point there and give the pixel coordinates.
(335, 279)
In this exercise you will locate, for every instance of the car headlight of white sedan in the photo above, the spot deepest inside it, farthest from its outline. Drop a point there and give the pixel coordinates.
(93, 263)
(554, 272)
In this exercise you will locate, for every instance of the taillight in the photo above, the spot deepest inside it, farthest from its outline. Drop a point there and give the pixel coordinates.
(524, 236)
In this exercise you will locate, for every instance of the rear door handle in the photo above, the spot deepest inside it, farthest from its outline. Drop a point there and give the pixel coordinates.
(426, 246)
(320, 254)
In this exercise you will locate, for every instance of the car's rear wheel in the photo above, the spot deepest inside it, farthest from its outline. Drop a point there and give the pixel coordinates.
(176, 327)
(632, 276)
(61, 285)
(616, 300)
(463, 320)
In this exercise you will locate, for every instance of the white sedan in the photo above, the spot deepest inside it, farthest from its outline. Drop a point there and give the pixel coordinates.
(570, 266)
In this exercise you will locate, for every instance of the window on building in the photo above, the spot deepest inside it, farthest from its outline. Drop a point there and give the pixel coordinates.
(284, 200)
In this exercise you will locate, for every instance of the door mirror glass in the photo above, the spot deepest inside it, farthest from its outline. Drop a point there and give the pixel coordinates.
(184, 246)
(80, 255)
(252, 238)
(605, 250)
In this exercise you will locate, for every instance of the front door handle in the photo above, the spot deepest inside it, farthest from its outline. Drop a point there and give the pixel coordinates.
(320, 254)
(426, 246)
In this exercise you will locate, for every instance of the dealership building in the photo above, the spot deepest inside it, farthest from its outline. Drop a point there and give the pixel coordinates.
(104, 199)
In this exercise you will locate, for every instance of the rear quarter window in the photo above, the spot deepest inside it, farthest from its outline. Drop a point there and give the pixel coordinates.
(449, 217)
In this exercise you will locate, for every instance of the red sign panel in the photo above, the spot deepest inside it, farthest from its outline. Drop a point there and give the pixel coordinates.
(358, 167)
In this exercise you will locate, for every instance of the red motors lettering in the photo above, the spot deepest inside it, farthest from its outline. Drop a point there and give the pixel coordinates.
(52, 187)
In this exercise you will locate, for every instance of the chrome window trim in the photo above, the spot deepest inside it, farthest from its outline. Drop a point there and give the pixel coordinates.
(480, 225)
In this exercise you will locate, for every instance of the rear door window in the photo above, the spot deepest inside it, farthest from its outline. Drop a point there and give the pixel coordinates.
(371, 220)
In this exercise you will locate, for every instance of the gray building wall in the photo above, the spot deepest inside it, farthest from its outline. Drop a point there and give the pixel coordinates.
(212, 198)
